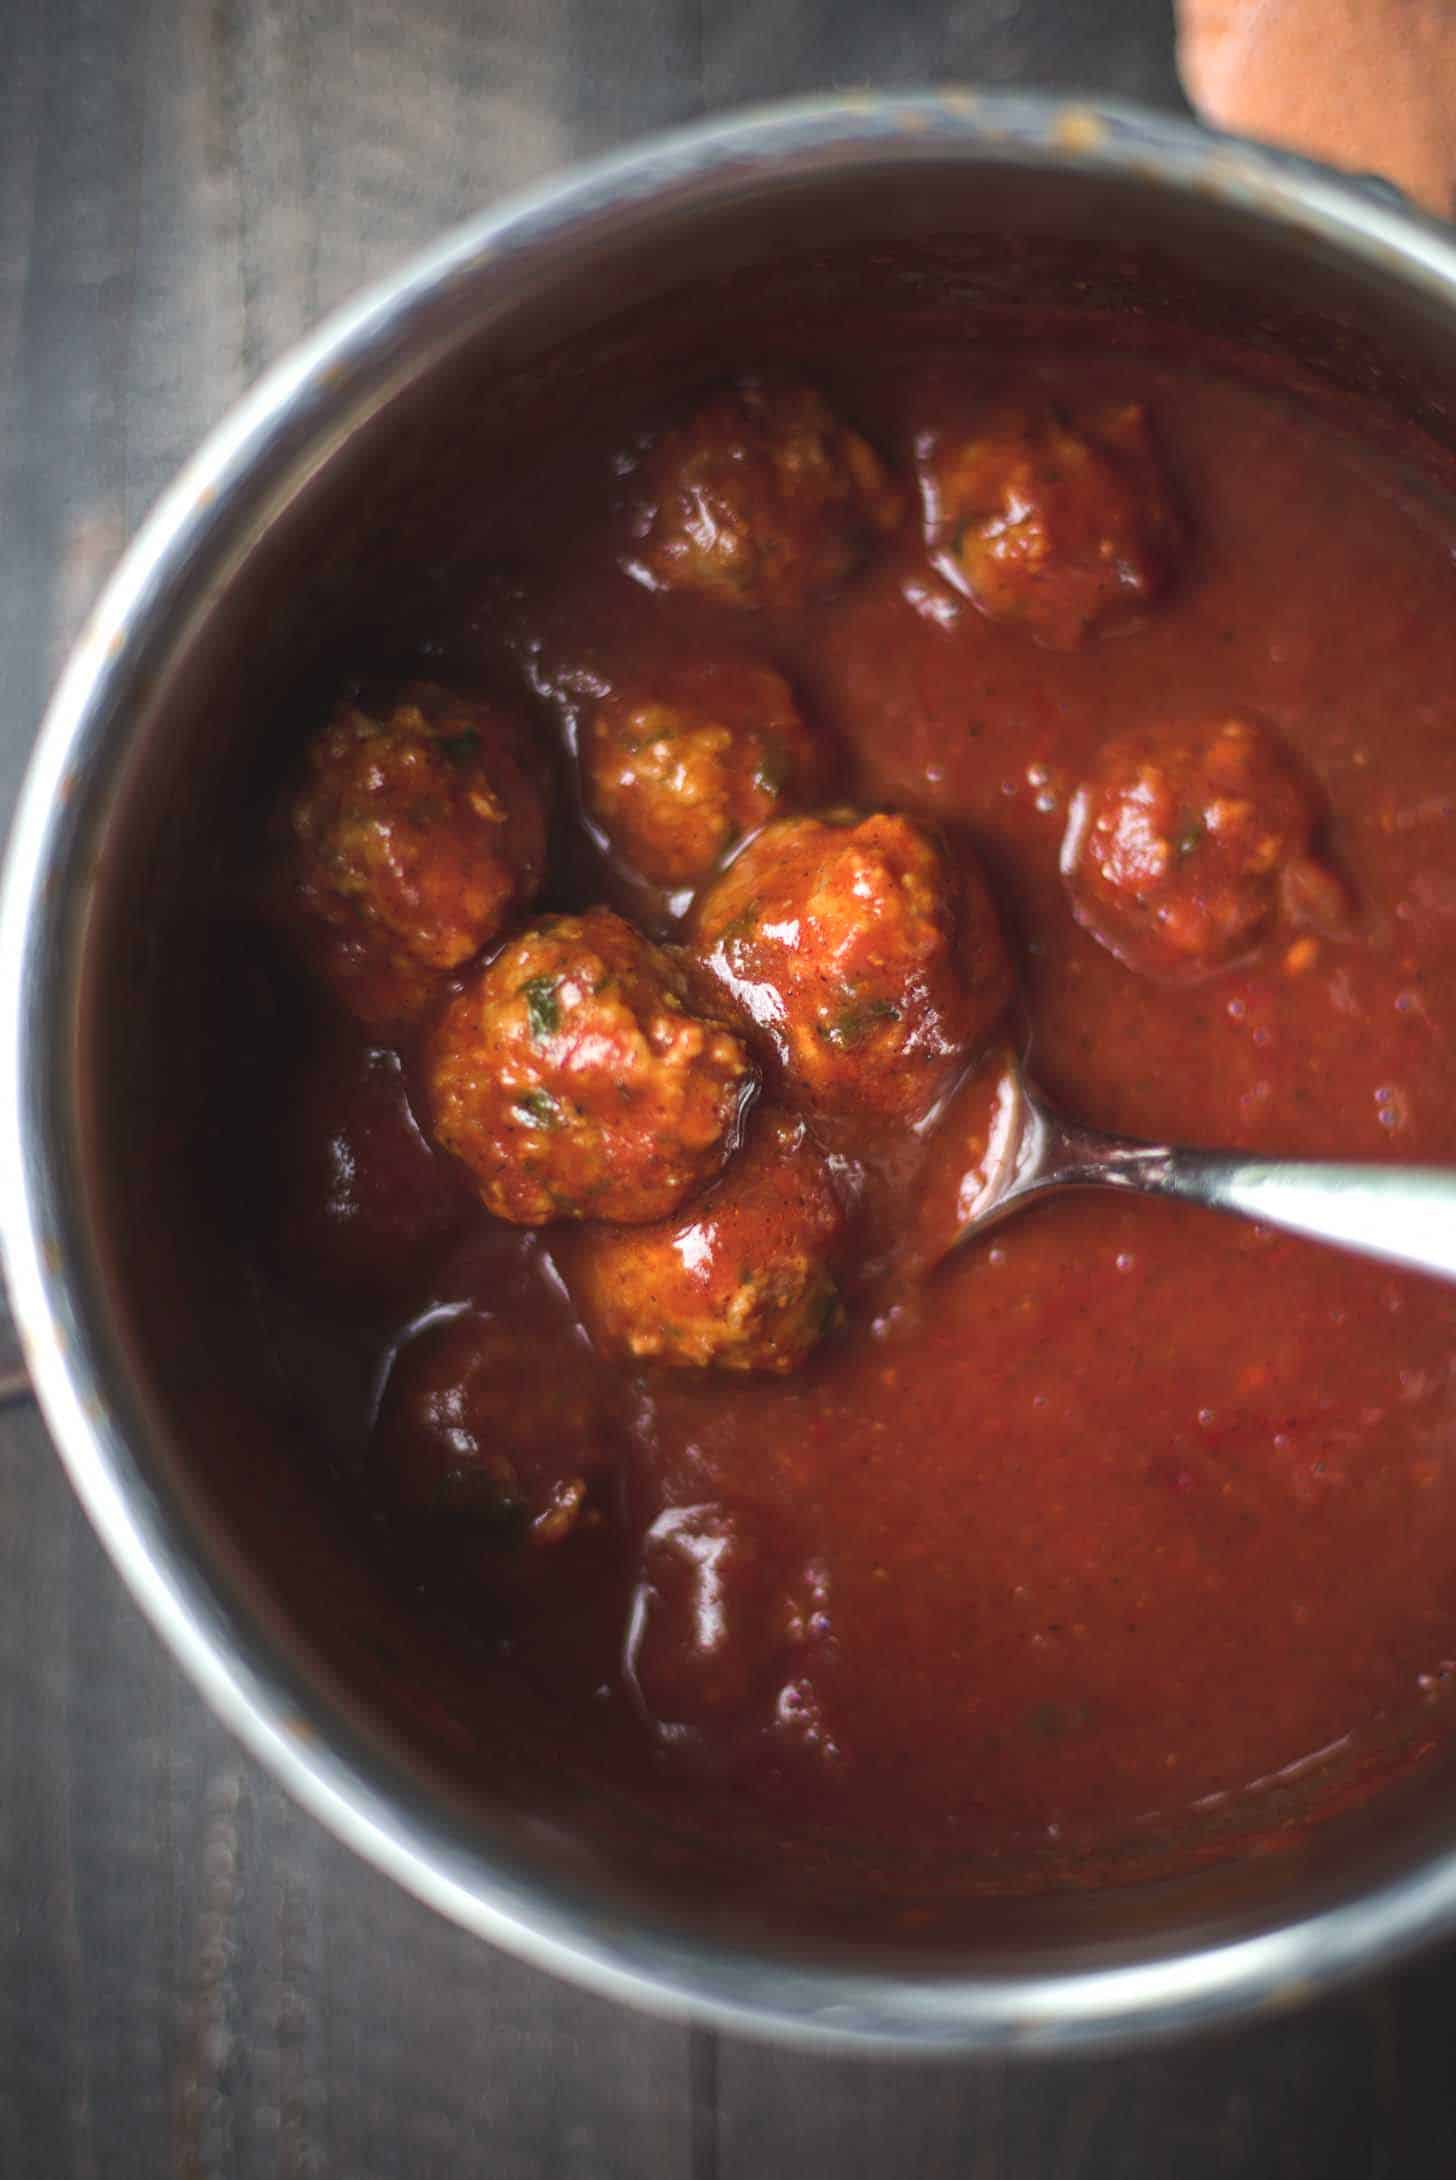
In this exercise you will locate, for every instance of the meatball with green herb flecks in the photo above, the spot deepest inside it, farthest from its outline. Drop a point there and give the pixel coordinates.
(1188, 843)
(418, 830)
(678, 768)
(578, 1077)
(1061, 527)
(762, 498)
(486, 1422)
(744, 1279)
(869, 963)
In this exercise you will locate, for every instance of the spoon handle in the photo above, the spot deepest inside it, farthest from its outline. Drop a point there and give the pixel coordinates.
(1402, 1214)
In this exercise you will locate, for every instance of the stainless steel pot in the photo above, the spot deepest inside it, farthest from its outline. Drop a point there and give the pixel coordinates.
(295, 525)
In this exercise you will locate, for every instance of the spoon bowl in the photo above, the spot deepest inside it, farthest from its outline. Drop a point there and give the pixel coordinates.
(1026, 1150)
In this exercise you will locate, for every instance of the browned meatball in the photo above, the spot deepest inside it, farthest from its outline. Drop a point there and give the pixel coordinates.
(762, 499)
(1062, 529)
(679, 768)
(869, 963)
(575, 1079)
(485, 1418)
(419, 828)
(742, 1280)
(1181, 845)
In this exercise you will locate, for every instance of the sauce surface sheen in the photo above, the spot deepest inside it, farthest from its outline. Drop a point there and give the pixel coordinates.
(1130, 1511)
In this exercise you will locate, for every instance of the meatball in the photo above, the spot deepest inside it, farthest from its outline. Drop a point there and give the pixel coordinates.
(678, 769)
(1186, 842)
(368, 1207)
(743, 1280)
(1059, 529)
(575, 1078)
(761, 499)
(419, 828)
(730, 1635)
(867, 961)
(493, 1421)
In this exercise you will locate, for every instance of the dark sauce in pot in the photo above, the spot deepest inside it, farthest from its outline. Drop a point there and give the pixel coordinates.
(1094, 1538)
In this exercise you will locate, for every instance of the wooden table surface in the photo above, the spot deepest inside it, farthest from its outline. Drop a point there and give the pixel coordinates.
(194, 1979)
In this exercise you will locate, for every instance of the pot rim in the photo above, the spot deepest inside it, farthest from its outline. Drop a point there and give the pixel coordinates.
(292, 1727)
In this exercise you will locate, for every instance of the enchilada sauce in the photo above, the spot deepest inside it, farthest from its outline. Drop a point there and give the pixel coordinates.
(1126, 1519)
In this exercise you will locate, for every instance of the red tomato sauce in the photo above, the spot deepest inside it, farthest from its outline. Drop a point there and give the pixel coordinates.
(1092, 1540)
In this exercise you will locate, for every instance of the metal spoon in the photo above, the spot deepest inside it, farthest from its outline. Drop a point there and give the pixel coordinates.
(1401, 1214)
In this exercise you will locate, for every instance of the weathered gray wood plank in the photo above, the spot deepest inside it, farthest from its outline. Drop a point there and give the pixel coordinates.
(759, 49)
(194, 1980)
(1358, 2088)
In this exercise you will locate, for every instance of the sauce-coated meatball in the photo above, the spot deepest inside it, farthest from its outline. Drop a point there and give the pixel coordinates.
(419, 828)
(762, 499)
(575, 1079)
(679, 768)
(1186, 841)
(869, 963)
(484, 1419)
(730, 1633)
(1058, 528)
(743, 1280)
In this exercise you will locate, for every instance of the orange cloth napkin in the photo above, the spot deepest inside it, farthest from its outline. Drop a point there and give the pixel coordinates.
(1365, 84)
